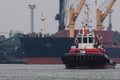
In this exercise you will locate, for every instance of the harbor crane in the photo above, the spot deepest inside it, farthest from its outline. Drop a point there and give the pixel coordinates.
(100, 15)
(73, 14)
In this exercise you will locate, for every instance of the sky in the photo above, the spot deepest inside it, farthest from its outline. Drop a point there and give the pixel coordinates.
(15, 15)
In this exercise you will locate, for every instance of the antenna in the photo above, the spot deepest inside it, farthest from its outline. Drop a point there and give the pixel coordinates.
(87, 18)
(32, 7)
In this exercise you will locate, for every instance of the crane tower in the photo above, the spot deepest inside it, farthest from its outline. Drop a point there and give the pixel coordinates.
(110, 20)
(61, 15)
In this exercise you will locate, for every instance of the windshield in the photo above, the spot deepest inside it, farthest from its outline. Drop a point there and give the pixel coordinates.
(90, 39)
(80, 40)
(84, 39)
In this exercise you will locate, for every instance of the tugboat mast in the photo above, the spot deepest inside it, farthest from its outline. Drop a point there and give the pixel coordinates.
(87, 19)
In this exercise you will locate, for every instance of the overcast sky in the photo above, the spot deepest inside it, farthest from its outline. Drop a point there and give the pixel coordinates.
(15, 15)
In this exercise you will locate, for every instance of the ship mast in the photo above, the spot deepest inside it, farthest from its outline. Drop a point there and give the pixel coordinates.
(43, 21)
(87, 19)
(32, 7)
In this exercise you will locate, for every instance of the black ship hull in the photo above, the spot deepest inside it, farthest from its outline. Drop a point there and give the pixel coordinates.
(86, 60)
(39, 50)
(47, 50)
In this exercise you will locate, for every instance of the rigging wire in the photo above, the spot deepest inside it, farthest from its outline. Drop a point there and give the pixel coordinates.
(73, 3)
(104, 4)
(69, 3)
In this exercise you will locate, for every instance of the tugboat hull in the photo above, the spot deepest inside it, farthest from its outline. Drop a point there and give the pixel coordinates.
(76, 60)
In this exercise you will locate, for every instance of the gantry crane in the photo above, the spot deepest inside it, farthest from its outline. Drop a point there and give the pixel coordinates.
(100, 16)
(73, 14)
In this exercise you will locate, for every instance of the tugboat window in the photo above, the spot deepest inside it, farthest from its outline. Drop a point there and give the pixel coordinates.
(85, 40)
(79, 40)
(90, 39)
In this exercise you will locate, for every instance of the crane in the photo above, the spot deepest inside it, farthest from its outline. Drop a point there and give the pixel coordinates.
(73, 14)
(100, 16)
(61, 16)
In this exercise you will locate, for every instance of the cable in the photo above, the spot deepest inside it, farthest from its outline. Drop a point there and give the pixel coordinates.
(102, 5)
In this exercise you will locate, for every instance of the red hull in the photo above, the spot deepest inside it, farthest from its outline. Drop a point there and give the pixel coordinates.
(117, 60)
(94, 67)
(54, 60)
(44, 61)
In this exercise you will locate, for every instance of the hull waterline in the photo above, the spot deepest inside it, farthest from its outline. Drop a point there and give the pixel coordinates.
(87, 61)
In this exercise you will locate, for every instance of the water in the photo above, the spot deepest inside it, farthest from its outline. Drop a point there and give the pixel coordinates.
(55, 72)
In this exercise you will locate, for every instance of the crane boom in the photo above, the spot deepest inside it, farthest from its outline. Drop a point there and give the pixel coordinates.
(73, 14)
(108, 9)
(100, 17)
(79, 8)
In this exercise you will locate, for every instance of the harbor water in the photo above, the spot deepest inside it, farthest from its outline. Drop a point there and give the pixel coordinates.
(55, 72)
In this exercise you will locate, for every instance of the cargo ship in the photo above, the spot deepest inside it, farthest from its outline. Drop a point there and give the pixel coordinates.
(28, 49)
(42, 50)
(49, 50)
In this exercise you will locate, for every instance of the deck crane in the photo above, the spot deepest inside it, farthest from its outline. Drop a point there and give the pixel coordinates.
(73, 14)
(100, 16)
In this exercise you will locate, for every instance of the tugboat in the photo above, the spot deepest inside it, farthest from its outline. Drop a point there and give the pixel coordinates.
(87, 52)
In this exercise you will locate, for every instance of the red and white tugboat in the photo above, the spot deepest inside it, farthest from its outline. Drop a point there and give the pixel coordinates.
(87, 52)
